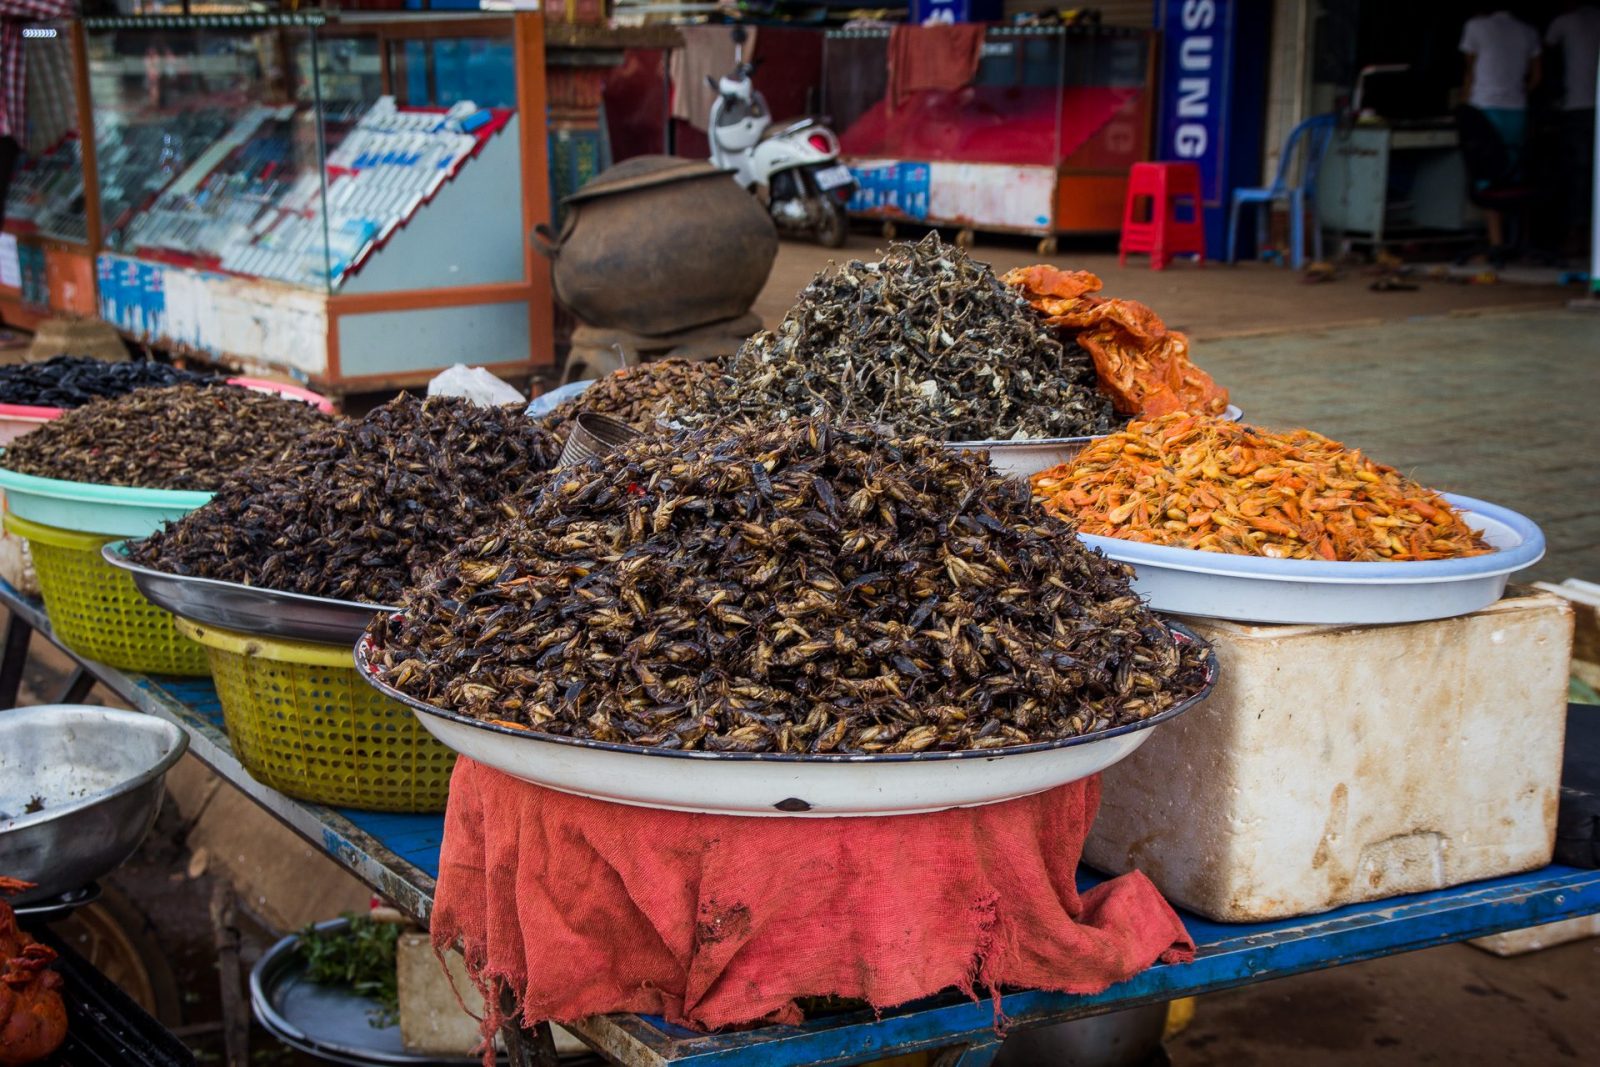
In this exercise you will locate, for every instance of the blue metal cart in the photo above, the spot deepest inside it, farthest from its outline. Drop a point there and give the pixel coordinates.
(398, 855)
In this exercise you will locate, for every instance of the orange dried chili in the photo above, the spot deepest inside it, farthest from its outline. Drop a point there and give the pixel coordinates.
(1142, 366)
(1192, 481)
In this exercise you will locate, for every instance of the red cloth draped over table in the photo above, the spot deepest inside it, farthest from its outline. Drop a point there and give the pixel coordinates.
(586, 907)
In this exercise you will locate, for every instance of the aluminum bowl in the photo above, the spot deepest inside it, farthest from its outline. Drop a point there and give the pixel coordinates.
(98, 772)
(785, 784)
(248, 609)
(1020, 459)
(335, 1024)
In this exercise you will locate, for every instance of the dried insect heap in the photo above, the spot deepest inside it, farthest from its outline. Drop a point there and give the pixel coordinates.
(800, 589)
(73, 381)
(1142, 366)
(181, 437)
(356, 509)
(925, 341)
(642, 396)
(1196, 482)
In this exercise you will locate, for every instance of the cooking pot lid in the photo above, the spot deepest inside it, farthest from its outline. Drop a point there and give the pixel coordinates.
(643, 172)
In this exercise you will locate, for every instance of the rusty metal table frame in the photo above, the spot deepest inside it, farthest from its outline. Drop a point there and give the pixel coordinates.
(1229, 954)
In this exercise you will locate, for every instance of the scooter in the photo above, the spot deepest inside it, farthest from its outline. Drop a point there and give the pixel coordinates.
(794, 168)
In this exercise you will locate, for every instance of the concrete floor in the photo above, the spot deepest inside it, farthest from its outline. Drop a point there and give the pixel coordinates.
(1442, 383)
(1500, 407)
(1452, 1005)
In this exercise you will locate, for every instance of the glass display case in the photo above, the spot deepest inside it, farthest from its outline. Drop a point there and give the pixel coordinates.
(1036, 136)
(271, 150)
(341, 197)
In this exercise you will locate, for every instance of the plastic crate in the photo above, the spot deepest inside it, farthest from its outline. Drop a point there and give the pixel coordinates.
(97, 611)
(302, 721)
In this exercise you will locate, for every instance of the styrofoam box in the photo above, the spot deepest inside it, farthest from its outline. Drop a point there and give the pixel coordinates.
(1538, 938)
(1339, 764)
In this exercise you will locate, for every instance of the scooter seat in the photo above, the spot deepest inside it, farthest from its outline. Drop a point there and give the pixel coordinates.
(788, 128)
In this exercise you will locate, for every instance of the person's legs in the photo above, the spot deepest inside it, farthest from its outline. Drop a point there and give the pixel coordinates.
(1576, 161)
(1512, 126)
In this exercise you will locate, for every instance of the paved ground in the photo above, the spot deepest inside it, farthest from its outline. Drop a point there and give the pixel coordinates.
(1500, 407)
(1454, 1005)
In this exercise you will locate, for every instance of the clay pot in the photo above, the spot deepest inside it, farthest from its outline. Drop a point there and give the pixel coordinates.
(658, 244)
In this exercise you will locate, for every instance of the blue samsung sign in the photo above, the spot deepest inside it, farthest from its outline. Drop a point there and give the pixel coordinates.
(1213, 81)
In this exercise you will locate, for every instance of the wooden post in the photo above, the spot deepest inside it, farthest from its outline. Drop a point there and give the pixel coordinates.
(531, 108)
(91, 172)
(235, 1009)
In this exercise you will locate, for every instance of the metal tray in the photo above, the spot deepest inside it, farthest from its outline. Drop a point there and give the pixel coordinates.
(100, 774)
(1014, 459)
(1020, 459)
(329, 1023)
(59, 906)
(783, 784)
(1186, 581)
(246, 608)
(335, 1024)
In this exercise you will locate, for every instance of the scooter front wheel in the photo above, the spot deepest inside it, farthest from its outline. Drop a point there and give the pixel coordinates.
(833, 229)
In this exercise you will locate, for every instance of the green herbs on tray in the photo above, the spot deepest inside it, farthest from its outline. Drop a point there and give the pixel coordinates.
(360, 957)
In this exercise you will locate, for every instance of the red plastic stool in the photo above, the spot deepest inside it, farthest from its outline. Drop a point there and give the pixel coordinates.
(1163, 234)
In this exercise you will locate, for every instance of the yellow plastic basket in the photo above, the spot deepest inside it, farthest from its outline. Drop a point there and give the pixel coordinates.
(302, 721)
(97, 611)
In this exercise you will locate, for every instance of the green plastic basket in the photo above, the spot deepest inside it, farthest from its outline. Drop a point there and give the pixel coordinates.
(89, 507)
(302, 721)
(97, 611)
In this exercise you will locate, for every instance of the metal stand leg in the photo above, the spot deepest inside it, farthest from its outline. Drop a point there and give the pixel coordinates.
(526, 1048)
(78, 688)
(235, 1006)
(14, 660)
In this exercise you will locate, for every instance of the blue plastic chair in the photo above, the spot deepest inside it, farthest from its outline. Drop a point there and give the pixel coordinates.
(1316, 132)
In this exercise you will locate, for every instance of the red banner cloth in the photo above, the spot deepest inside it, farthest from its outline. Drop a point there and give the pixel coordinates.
(580, 906)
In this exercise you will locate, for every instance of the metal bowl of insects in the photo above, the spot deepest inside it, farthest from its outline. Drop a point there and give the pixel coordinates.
(1020, 459)
(825, 785)
(247, 608)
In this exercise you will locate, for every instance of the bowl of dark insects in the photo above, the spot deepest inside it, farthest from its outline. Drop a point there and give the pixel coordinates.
(778, 783)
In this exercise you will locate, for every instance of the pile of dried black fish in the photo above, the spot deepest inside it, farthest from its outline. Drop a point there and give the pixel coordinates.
(927, 340)
(799, 589)
(353, 510)
(641, 396)
(180, 437)
(73, 381)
